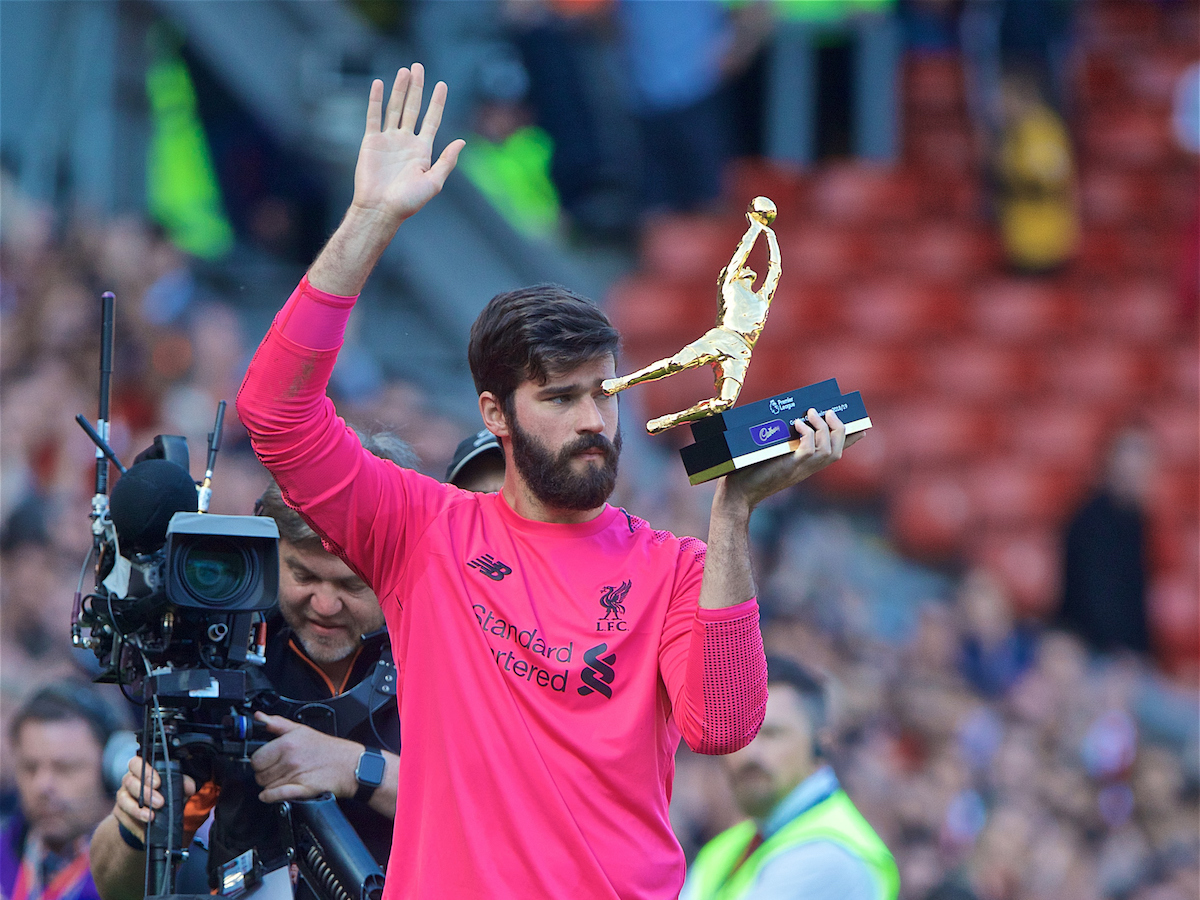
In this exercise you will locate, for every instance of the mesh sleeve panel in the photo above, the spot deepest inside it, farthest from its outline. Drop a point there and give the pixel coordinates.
(728, 669)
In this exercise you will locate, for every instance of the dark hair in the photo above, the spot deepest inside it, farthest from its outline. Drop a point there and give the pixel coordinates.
(66, 701)
(533, 333)
(807, 683)
(292, 526)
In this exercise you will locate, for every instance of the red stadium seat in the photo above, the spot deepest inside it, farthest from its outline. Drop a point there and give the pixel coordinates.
(933, 83)
(1017, 310)
(1174, 613)
(938, 251)
(1027, 562)
(945, 152)
(927, 434)
(976, 371)
(1134, 309)
(1013, 492)
(1180, 370)
(1176, 429)
(855, 193)
(1057, 432)
(1115, 196)
(689, 248)
(879, 372)
(646, 307)
(900, 309)
(813, 253)
(929, 516)
(1097, 372)
(1129, 137)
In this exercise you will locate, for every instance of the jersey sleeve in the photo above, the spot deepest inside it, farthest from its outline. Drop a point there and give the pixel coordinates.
(712, 663)
(367, 510)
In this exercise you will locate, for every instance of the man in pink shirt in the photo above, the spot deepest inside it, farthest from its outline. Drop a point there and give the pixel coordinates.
(552, 649)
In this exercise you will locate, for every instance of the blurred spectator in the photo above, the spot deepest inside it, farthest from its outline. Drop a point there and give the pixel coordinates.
(1104, 568)
(999, 37)
(507, 157)
(1034, 174)
(556, 40)
(478, 464)
(58, 739)
(833, 85)
(804, 838)
(995, 651)
(677, 56)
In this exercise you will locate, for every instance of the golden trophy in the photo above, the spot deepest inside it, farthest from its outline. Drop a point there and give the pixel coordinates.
(729, 437)
(741, 315)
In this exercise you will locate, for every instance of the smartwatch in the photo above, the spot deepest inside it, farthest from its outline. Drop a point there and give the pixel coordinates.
(369, 773)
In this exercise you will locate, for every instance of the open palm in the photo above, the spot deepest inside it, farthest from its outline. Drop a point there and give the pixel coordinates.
(395, 175)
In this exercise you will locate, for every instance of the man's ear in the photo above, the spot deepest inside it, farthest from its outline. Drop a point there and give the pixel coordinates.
(493, 414)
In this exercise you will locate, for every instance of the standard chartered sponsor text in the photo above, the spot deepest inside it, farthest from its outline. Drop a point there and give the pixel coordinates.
(530, 640)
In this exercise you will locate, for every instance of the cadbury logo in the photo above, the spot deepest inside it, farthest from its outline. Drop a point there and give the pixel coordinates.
(769, 432)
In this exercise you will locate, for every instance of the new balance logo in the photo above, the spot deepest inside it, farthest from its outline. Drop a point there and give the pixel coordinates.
(599, 674)
(492, 568)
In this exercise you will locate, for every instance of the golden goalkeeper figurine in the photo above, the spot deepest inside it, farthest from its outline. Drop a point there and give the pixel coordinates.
(741, 314)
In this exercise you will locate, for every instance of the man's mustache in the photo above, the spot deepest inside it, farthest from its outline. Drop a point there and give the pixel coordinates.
(587, 442)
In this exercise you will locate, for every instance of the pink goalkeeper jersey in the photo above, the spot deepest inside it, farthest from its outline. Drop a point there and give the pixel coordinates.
(547, 671)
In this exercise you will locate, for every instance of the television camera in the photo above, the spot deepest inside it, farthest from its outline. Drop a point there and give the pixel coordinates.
(178, 618)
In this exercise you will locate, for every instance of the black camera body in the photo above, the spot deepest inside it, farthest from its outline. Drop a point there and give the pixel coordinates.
(199, 600)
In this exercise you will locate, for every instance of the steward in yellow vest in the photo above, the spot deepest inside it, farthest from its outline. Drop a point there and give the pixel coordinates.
(805, 840)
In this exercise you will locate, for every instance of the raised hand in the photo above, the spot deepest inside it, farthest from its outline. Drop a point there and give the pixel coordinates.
(396, 175)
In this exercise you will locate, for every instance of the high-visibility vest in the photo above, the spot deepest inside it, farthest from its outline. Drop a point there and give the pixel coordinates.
(713, 875)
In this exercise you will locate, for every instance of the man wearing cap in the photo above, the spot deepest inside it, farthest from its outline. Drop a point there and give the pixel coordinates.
(478, 464)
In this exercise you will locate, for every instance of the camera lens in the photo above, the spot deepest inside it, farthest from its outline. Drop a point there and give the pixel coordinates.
(215, 571)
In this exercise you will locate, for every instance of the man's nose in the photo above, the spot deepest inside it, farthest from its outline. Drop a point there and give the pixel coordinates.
(44, 781)
(590, 417)
(326, 600)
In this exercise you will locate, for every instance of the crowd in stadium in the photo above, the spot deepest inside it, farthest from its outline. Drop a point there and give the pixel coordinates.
(999, 757)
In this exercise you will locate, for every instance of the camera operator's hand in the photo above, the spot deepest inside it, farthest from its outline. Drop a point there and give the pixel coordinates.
(128, 811)
(301, 763)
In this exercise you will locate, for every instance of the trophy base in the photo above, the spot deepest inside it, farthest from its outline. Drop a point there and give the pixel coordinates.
(749, 434)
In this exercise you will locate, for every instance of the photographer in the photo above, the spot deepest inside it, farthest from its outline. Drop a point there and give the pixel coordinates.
(327, 643)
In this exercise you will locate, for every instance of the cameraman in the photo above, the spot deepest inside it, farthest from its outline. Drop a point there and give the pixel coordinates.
(328, 641)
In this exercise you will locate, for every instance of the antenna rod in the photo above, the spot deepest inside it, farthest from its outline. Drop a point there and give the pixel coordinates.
(102, 447)
(107, 318)
(214, 444)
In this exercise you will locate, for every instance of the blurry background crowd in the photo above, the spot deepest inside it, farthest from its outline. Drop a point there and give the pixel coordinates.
(988, 223)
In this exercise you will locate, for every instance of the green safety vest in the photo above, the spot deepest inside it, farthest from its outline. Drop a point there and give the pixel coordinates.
(712, 876)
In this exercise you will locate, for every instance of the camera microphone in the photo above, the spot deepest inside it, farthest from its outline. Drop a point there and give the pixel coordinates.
(145, 498)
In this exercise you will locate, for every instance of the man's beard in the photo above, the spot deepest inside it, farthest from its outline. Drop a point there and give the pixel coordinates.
(319, 648)
(326, 650)
(550, 476)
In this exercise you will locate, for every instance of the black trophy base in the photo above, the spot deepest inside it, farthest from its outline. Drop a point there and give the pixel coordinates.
(754, 432)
